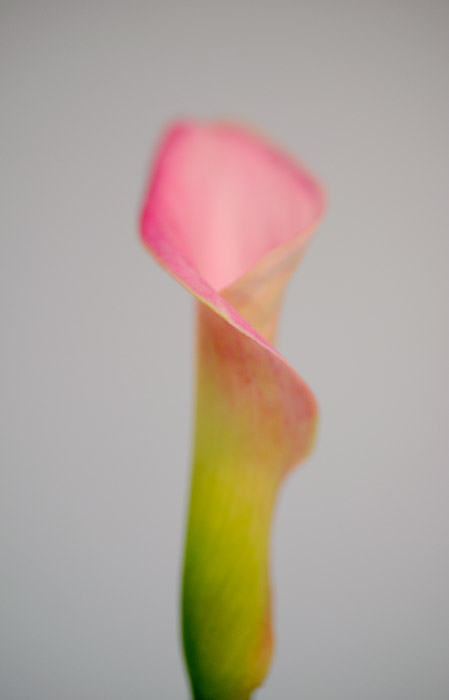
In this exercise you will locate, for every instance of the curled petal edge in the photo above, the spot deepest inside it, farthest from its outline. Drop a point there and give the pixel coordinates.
(229, 217)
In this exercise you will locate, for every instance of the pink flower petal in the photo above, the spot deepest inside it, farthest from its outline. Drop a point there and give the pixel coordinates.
(229, 217)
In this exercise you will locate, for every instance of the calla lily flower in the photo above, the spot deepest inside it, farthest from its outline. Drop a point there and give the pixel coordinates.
(229, 217)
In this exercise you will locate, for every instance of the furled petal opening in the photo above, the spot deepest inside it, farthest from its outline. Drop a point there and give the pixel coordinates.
(229, 216)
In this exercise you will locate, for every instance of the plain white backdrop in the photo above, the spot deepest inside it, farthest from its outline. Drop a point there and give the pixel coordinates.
(96, 380)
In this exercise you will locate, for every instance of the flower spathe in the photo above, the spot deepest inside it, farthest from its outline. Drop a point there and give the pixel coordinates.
(229, 217)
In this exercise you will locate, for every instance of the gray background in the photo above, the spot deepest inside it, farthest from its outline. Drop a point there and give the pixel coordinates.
(97, 342)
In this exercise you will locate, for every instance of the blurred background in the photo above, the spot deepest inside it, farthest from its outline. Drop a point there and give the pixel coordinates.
(97, 347)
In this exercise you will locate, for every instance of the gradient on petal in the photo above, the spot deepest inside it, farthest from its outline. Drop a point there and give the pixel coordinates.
(229, 216)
